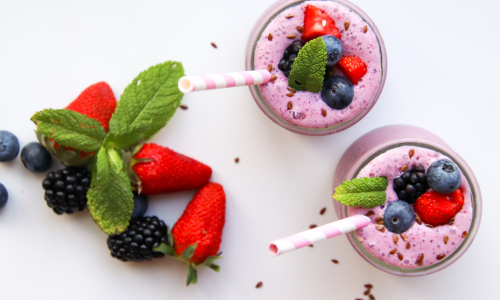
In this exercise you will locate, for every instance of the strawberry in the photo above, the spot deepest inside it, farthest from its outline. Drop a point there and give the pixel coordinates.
(97, 102)
(318, 23)
(161, 170)
(353, 67)
(437, 209)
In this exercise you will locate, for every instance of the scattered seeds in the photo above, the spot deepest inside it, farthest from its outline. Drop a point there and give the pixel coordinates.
(311, 246)
(400, 256)
(313, 226)
(358, 299)
(214, 45)
(420, 263)
(441, 256)
(322, 211)
(420, 258)
(451, 222)
(379, 220)
(366, 293)
(323, 112)
(404, 237)
(365, 29)
(290, 94)
(291, 36)
(269, 68)
(300, 29)
(429, 225)
(445, 239)
(346, 25)
(408, 245)
(236, 160)
(335, 261)
(411, 153)
(368, 286)
(404, 168)
(370, 213)
(259, 285)
(270, 37)
(291, 90)
(395, 239)
(379, 227)
(464, 234)
(289, 105)
(393, 251)
(371, 297)
(418, 220)
(273, 78)
(184, 107)
(289, 16)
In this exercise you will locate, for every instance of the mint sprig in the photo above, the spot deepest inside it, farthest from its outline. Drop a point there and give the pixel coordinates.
(110, 198)
(70, 128)
(146, 105)
(308, 69)
(366, 192)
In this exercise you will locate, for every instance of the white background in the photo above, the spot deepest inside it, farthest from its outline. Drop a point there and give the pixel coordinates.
(443, 76)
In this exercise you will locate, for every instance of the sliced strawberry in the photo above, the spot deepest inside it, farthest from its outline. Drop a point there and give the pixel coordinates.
(353, 67)
(318, 23)
(438, 209)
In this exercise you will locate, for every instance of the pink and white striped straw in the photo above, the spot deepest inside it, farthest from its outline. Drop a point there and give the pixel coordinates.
(189, 84)
(317, 234)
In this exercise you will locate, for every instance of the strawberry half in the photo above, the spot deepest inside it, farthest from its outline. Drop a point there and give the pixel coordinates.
(318, 23)
(353, 67)
(438, 209)
(197, 235)
(161, 170)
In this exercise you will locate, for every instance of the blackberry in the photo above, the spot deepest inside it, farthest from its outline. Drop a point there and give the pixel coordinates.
(66, 190)
(136, 243)
(289, 57)
(411, 185)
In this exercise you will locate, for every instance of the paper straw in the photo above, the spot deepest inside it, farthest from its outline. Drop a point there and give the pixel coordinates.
(317, 234)
(189, 84)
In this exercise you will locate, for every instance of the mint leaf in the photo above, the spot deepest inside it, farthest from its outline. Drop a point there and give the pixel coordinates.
(69, 128)
(308, 70)
(146, 104)
(110, 198)
(365, 192)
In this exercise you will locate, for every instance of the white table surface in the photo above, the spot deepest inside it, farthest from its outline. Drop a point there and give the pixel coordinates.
(443, 76)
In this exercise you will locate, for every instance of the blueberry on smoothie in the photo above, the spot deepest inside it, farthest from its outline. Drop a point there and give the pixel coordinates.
(444, 176)
(334, 49)
(399, 216)
(9, 146)
(4, 196)
(337, 92)
(140, 206)
(36, 158)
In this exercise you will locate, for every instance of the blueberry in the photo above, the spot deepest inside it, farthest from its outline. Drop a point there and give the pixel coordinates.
(399, 216)
(443, 176)
(36, 158)
(140, 206)
(9, 146)
(4, 196)
(333, 49)
(337, 92)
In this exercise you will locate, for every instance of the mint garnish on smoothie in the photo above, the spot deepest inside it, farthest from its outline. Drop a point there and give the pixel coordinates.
(366, 192)
(308, 70)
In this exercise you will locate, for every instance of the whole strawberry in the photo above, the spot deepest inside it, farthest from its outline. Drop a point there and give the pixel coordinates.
(161, 170)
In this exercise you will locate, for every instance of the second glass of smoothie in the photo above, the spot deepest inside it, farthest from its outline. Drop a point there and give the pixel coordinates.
(423, 248)
(305, 112)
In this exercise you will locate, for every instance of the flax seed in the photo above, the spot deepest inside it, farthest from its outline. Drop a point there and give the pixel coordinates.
(313, 226)
(322, 211)
(365, 29)
(404, 168)
(408, 245)
(292, 90)
(335, 261)
(441, 256)
(411, 153)
(291, 36)
(404, 237)
(259, 285)
(368, 286)
(418, 220)
(289, 105)
(214, 45)
(393, 251)
(346, 25)
(464, 234)
(290, 94)
(323, 112)
(273, 78)
(400, 256)
(445, 239)
(370, 213)
(379, 220)
(300, 29)
(289, 16)
(184, 107)
(395, 239)
(269, 68)
(270, 37)
(420, 258)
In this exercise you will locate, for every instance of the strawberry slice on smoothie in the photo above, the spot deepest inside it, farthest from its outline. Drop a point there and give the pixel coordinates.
(318, 23)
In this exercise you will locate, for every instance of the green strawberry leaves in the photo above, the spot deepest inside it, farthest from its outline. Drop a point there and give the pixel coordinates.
(144, 108)
(308, 70)
(110, 198)
(147, 104)
(70, 128)
(366, 192)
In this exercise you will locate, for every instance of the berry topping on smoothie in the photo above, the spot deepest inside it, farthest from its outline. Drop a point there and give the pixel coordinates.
(399, 216)
(337, 92)
(289, 57)
(444, 176)
(308, 70)
(438, 209)
(318, 23)
(353, 67)
(411, 184)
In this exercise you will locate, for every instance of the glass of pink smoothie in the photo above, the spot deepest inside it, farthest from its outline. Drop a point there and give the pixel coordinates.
(306, 112)
(384, 152)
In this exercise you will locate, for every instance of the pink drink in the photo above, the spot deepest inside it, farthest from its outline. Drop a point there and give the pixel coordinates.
(307, 115)
(383, 152)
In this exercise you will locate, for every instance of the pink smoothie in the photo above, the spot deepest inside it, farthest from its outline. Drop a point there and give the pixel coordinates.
(423, 240)
(308, 106)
